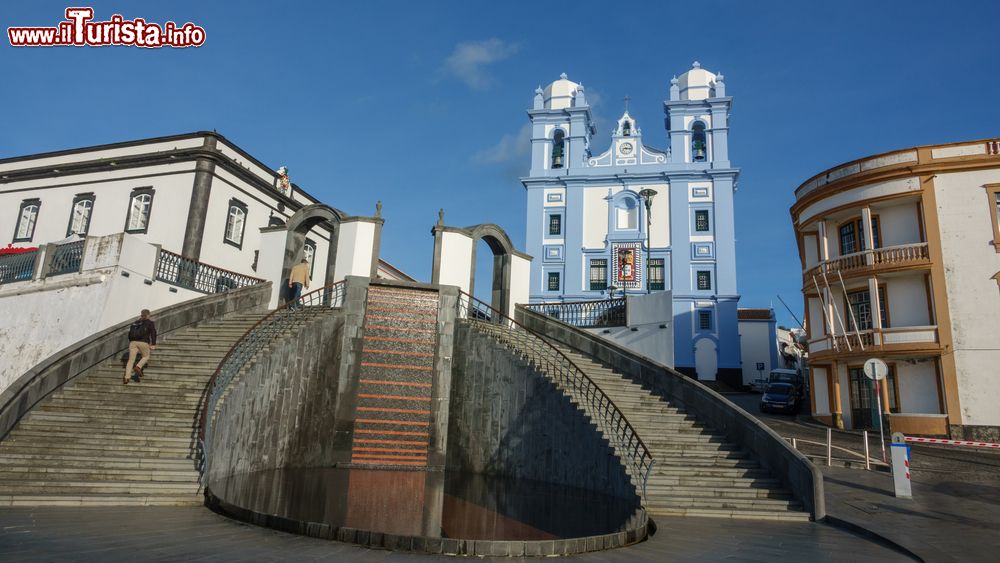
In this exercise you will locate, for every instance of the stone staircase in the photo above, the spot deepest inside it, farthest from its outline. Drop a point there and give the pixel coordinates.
(696, 471)
(98, 442)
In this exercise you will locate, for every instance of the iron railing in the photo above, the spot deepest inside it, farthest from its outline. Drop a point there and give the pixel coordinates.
(255, 339)
(191, 274)
(66, 259)
(18, 267)
(557, 366)
(585, 314)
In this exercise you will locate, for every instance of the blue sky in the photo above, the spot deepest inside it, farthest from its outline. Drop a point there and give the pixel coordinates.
(422, 104)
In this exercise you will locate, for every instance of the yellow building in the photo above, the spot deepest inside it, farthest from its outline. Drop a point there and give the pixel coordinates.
(900, 261)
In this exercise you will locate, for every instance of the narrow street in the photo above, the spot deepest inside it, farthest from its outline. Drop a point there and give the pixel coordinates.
(929, 464)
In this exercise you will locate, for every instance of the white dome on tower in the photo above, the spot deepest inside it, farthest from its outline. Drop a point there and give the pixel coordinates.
(560, 93)
(696, 84)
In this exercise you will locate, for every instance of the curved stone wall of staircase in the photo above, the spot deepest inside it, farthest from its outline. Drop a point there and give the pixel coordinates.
(59, 368)
(508, 420)
(791, 467)
(280, 412)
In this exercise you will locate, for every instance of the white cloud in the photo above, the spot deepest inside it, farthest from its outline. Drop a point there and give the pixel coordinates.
(514, 147)
(469, 60)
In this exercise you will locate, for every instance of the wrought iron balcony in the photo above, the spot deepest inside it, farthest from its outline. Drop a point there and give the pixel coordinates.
(17, 267)
(66, 259)
(203, 278)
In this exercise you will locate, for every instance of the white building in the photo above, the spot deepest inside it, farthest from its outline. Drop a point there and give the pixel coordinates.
(214, 214)
(901, 261)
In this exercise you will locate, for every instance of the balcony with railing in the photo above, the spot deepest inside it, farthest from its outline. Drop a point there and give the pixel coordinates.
(866, 262)
(190, 274)
(586, 314)
(18, 266)
(908, 339)
(66, 259)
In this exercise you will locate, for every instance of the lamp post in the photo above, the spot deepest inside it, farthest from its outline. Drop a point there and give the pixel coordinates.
(647, 198)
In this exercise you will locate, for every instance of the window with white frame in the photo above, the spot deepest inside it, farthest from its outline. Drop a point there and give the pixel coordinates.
(79, 217)
(27, 216)
(236, 223)
(140, 207)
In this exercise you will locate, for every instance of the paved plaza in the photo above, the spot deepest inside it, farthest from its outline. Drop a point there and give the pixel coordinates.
(197, 534)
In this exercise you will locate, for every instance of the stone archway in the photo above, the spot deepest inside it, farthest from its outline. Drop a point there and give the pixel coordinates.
(499, 243)
(455, 263)
(301, 223)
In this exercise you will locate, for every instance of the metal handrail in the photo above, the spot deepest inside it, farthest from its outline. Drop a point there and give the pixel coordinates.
(585, 314)
(537, 350)
(18, 267)
(66, 259)
(198, 276)
(255, 339)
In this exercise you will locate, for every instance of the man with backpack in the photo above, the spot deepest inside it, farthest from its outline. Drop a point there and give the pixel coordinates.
(141, 339)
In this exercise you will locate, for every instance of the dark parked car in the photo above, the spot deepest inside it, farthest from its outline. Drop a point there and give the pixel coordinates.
(781, 397)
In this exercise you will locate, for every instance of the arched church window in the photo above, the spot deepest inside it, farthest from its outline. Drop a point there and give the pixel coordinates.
(558, 148)
(139, 209)
(627, 128)
(27, 216)
(79, 217)
(627, 214)
(236, 223)
(698, 145)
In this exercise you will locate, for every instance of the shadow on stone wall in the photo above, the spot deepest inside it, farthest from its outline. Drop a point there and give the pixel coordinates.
(280, 413)
(508, 420)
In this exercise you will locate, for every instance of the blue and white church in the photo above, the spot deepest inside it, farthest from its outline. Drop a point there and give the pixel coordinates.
(635, 219)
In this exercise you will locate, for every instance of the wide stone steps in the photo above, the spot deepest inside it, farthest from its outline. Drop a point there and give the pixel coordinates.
(718, 491)
(96, 442)
(56, 449)
(114, 426)
(86, 416)
(97, 473)
(696, 471)
(79, 439)
(124, 409)
(671, 500)
(69, 461)
(784, 515)
(49, 486)
(703, 481)
(100, 499)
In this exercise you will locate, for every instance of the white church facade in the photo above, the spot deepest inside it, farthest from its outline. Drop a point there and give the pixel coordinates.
(634, 219)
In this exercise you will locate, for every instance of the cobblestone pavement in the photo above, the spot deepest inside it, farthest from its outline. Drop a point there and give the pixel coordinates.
(197, 534)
